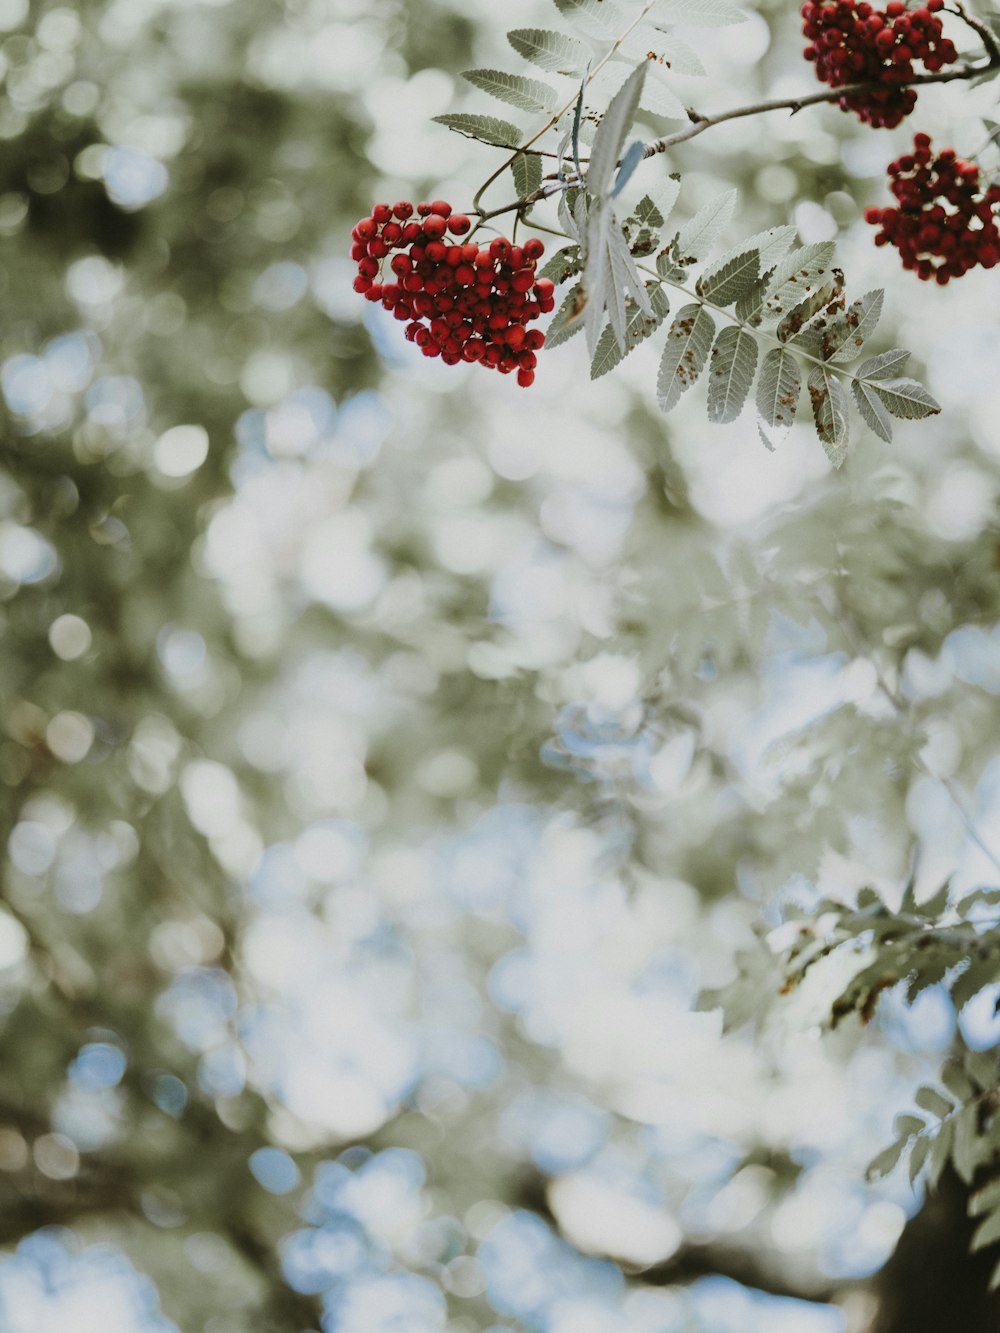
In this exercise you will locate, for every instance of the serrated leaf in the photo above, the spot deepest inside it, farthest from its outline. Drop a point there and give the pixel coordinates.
(527, 172)
(779, 388)
(638, 328)
(727, 282)
(689, 341)
(625, 264)
(931, 1100)
(596, 273)
(568, 318)
(612, 131)
(616, 294)
(550, 50)
(987, 1233)
(566, 211)
(659, 100)
(906, 399)
(634, 154)
(647, 214)
(886, 1161)
(918, 1156)
(772, 244)
(526, 94)
(564, 264)
(829, 405)
(872, 412)
(697, 237)
(885, 366)
(601, 18)
(703, 13)
(794, 276)
(730, 373)
(792, 327)
(487, 129)
(845, 339)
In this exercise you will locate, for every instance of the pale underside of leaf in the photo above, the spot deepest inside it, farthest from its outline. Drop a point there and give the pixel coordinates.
(568, 319)
(829, 405)
(703, 13)
(885, 366)
(599, 18)
(623, 256)
(731, 373)
(778, 389)
(905, 398)
(639, 327)
(858, 324)
(689, 341)
(696, 238)
(596, 273)
(525, 94)
(872, 412)
(550, 50)
(726, 282)
(613, 131)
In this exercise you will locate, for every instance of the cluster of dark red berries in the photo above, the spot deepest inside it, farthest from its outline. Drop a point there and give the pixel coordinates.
(853, 42)
(935, 241)
(461, 302)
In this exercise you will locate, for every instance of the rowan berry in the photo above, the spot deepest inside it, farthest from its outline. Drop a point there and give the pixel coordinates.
(935, 241)
(851, 42)
(459, 302)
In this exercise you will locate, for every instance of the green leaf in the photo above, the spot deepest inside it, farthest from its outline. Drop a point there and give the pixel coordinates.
(697, 237)
(564, 264)
(638, 328)
(487, 129)
(779, 388)
(872, 412)
(906, 399)
(772, 245)
(568, 318)
(647, 214)
(985, 1199)
(612, 132)
(829, 405)
(843, 341)
(689, 341)
(705, 13)
(550, 50)
(731, 372)
(526, 94)
(918, 1156)
(884, 366)
(886, 1161)
(982, 1066)
(527, 172)
(931, 1100)
(908, 1125)
(727, 282)
(599, 17)
(955, 1079)
(964, 1152)
(940, 1151)
(987, 1233)
(792, 327)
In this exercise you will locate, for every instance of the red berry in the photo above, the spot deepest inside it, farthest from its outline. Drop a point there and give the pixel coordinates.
(458, 224)
(526, 378)
(442, 209)
(381, 213)
(533, 249)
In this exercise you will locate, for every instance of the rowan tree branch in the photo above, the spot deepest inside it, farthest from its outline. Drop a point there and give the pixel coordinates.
(702, 123)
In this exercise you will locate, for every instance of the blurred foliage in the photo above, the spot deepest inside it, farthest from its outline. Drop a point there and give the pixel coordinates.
(387, 761)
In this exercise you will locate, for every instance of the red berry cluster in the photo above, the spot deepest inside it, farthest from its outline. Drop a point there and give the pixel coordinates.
(937, 242)
(853, 42)
(461, 302)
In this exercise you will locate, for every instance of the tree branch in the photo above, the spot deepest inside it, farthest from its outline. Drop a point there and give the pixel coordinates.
(794, 104)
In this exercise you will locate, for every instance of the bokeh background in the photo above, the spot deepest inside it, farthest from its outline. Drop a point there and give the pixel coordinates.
(390, 756)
